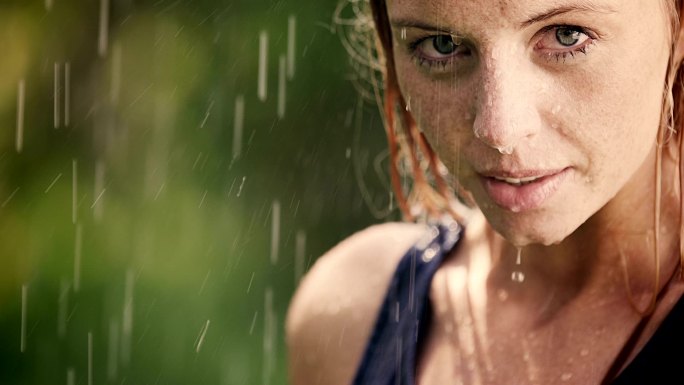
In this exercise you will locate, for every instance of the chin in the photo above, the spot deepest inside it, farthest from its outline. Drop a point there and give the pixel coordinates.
(532, 229)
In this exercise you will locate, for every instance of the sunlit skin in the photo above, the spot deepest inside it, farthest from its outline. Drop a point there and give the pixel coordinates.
(566, 91)
(594, 112)
(500, 92)
(511, 86)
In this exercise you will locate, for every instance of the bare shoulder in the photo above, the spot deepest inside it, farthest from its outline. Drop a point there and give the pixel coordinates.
(332, 313)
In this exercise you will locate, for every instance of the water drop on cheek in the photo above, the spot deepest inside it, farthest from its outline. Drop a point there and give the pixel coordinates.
(507, 150)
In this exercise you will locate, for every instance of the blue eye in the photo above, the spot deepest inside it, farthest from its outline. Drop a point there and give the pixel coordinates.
(444, 44)
(568, 36)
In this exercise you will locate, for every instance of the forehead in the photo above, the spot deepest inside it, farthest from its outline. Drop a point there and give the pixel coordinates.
(479, 14)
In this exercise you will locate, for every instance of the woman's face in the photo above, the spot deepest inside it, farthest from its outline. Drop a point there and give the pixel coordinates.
(542, 109)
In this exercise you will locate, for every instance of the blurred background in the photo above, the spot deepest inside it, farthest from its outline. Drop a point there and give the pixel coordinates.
(169, 169)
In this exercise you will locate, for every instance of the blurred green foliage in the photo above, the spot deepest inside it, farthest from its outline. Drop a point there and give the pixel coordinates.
(134, 247)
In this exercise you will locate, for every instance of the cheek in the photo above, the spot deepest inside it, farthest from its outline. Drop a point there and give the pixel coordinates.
(615, 114)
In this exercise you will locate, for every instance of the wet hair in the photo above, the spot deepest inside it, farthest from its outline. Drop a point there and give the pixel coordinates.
(433, 193)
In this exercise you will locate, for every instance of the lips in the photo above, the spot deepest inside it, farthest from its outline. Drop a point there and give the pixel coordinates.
(522, 190)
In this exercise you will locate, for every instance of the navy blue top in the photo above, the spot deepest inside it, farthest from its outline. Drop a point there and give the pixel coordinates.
(390, 356)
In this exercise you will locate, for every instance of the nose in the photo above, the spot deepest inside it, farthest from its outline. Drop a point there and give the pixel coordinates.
(506, 105)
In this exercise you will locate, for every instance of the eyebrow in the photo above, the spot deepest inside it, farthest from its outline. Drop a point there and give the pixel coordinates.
(581, 7)
(586, 6)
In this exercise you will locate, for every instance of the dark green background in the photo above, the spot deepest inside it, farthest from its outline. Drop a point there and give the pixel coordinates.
(164, 211)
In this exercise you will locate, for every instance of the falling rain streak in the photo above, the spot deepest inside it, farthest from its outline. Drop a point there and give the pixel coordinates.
(237, 127)
(71, 376)
(99, 190)
(275, 231)
(9, 198)
(90, 358)
(53, 182)
(104, 28)
(300, 253)
(56, 96)
(77, 257)
(127, 324)
(24, 294)
(48, 5)
(291, 44)
(74, 189)
(269, 336)
(200, 337)
(20, 115)
(281, 86)
(67, 94)
(263, 66)
(242, 184)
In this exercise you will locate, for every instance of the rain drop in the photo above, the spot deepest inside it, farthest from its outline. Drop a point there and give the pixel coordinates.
(24, 299)
(21, 91)
(238, 124)
(56, 95)
(104, 28)
(291, 44)
(275, 231)
(263, 66)
(282, 68)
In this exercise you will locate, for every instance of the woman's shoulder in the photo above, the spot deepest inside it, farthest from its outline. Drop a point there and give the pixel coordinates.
(332, 313)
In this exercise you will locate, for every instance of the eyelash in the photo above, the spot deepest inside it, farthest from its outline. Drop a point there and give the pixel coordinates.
(442, 64)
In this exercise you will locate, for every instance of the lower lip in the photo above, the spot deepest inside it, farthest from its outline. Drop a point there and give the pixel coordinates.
(524, 197)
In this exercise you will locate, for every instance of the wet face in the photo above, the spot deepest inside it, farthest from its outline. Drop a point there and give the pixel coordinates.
(543, 110)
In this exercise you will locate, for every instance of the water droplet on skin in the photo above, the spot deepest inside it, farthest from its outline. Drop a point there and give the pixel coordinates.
(566, 376)
(502, 295)
(518, 276)
(584, 352)
(507, 150)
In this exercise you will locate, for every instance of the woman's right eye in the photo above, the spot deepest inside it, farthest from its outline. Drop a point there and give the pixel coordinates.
(438, 49)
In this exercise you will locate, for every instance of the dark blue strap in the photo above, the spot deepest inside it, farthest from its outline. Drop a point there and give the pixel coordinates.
(390, 357)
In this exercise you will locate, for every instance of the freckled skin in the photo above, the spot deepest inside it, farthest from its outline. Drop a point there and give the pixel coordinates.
(597, 114)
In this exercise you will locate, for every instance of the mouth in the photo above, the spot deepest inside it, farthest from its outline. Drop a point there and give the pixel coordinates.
(524, 190)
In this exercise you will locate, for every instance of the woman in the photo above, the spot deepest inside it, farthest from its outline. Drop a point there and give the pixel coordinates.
(558, 122)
